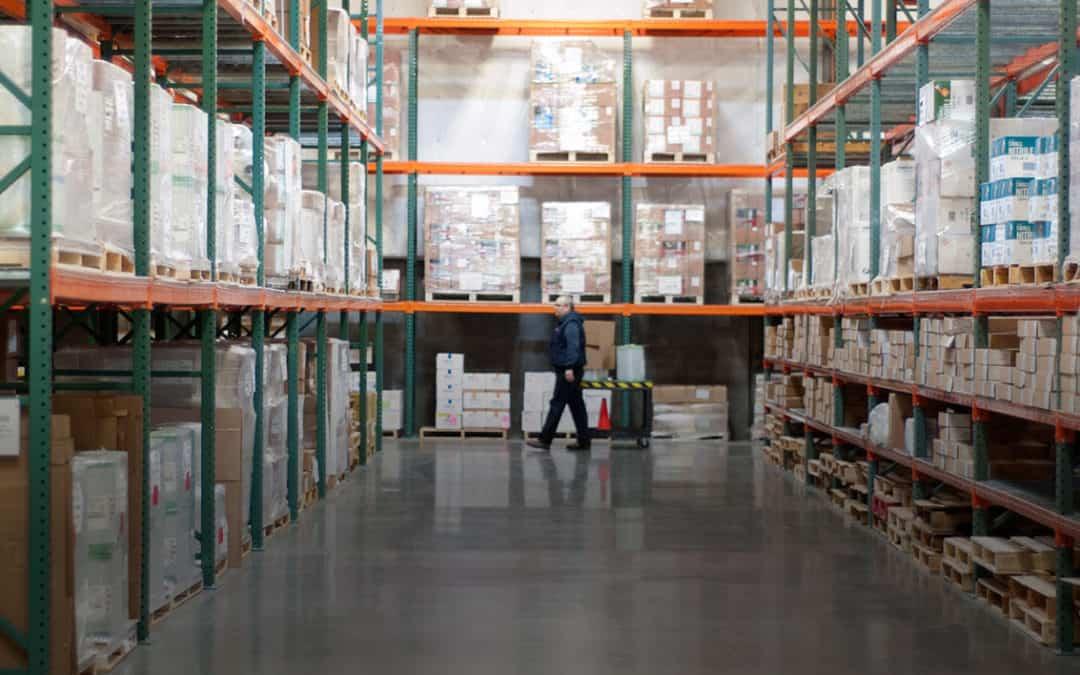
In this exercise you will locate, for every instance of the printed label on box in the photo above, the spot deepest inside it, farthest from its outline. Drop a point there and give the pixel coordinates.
(669, 285)
(471, 281)
(573, 283)
(9, 427)
(673, 222)
(695, 215)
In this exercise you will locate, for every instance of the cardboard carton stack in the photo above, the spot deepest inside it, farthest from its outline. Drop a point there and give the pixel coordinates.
(449, 390)
(897, 219)
(1069, 383)
(575, 254)
(679, 121)
(892, 355)
(952, 449)
(599, 346)
(472, 242)
(818, 398)
(946, 354)
(786, 391)
(820, 344)
(994, 364)
(757, 430)
(1034, 377)
(746, 213)
(669, 251)
(573, 97)
(486, 401)
(782, 339)
(854, 353)
(772, 342)
(693, 411)
(465, 7)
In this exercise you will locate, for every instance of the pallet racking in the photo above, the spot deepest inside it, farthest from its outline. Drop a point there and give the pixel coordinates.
(210, 30)
(1009, 47)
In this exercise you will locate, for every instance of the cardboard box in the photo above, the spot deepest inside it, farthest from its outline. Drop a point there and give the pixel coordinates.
(447, 420)
(229, 436)
(599, 345)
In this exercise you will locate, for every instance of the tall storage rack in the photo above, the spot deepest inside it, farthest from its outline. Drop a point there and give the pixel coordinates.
(625, 169)
(129, 29)
(1005, 46)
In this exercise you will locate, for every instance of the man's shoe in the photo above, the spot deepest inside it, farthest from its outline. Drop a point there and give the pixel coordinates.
(578, 447)
(539, 445)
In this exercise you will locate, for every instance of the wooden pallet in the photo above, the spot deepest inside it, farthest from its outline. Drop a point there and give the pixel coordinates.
(1041, 551)
(925, 556)
(1000, 556)
(838, 497)
(658, 13)
(118, 262)
(892, 285)
(962, 578)
(957, 551)
(468, 296)
(1027, 275)
(812, 293)
(305, 54)
(997, 275)
(992, 592)
(859, 290)
(669, 299)
(944, 282)
(485, 12)
(391, 433)
(177, 600)
(604, 156)
(272, 529)
(106, 661)
(899, 539)
(91, 258)
(432, 432)
(680, 158)
(858, 510)
(582, 298)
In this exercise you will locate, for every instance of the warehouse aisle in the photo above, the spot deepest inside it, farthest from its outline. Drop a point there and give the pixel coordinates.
(459, 559)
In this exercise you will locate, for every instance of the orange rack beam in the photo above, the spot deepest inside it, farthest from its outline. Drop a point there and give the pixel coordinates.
(636, 27)
(1050, 299)
(417, 307)
(252, 19)
(615, 169)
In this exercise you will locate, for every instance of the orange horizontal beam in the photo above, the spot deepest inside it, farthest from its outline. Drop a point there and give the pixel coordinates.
(918, 33)
(615, 169)
(1045, 299)
(418, 307)
(638, 27)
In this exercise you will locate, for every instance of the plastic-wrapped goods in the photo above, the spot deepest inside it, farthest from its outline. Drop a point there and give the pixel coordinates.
(630, 363)
(946, 100)
(824, 254)
(189, 180)
(685, 8)
(72, 160)
(357, 214)
(245, 253)
(472, 239)
(852, 199)
(945, 203)
(172, 510)
(391, 101)
(160, 564)
(283, 204)
(358, 65)
(224, 189)
(308, 243)
(187, 435)
(161, 187)
(897, 254)
(111, 153)
(338, 375)
(99, 513)
(1074, 169)
(275, 428)
(339, 34)
(679, 118)
(746, 213)
(465, 4)
(573, 99)
(669, 251)
(335, 245)
(576, 249)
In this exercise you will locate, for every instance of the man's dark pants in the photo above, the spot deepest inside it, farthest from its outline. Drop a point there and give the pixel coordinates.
(567, 394)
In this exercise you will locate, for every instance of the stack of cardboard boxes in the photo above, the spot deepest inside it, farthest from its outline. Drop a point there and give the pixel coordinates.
(573, 97)
(1034, 378)
(1069, 380)
(746, 213)
(786, 391)
(669, 251)
(575, 254)
(679, 121)
(818, 398)
(946, 355)
(952, 449)
(679, 8)
(449, 390)
(853, 356)
(690, 411)
(994, 365)
(892, 355)
(486, 401)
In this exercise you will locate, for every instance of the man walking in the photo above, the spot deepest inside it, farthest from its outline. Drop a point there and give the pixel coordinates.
(567, 353)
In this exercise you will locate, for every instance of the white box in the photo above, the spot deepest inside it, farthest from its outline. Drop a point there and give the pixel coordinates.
(448, 420)
(536, 400)
(449, 377)
(448, 404)
(499, 400)
(532, 422)
(445, 388)
(391, 420)
(543, 381)
(450, 362)
(392, 399)
(499, 381)
(475, 381)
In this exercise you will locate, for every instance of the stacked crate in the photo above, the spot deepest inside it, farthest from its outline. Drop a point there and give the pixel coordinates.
(818, 399)
(952, 449)
(746, 213)
(946, 354)
(573, 97)
(897, 261)
(575, 254)
(1070, 364)
(679, 118)
(449, 390)
(1034, 378)
(892, 355)
(994, 365)
(486, 401)
(853, 355)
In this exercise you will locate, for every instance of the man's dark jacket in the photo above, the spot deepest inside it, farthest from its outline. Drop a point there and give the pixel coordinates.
(567, 346)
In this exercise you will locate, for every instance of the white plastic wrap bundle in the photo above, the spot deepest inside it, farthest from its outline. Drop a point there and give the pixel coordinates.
(945, 200)
(358, 63)
(824, 256)
(172, 514)
(334, 276)
(337, 410)
(224, 225)
(897, 218)
(160, 565)
(189, 179)
(244, 233)
(823, 247)
(99, 504)
(275, 426)
(282, 202)
(161, 187)
(72, 162)
(853, 225)
(339, 42)
(308, 242)
(112, 155)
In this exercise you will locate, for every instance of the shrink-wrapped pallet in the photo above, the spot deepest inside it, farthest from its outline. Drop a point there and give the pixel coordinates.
(576, 250)
(187, 228)
(852, 203)
(275, 427)
(172, 514)
(111, 154)
(823, 270)
(746, 213)
(472, 240)
(669, 251)
(945, 201)
(339, 35)
(573, 100)
(282, 201)
(679, 118)
(308, 241)
(897, 219)
(358, 67)
(357, 215)
(224, 209)
(391, 101)
(472, 7)
(72, 159)
(335, 245)
(161, 179)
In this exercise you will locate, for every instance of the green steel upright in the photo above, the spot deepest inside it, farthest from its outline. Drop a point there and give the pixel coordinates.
(321, 345)
(378, 219)
(258, 316)
(626, 336)
(980, 520)
(842, 57)
(292, 327)
(208, 548)
(410, 237)
(364, 156)
(875, 205)
(346, 136)
(41, 337)
(770, 58)
(140, 356)
(789, 162)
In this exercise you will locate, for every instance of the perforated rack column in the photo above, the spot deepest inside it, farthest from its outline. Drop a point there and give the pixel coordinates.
(292, 327)
(258, 316)
(411, 236)
(378, 219)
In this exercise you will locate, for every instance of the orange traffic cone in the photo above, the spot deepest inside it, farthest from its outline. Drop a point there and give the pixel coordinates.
(604, 423)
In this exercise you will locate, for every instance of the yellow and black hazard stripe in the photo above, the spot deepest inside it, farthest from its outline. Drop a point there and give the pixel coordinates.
(615, 384)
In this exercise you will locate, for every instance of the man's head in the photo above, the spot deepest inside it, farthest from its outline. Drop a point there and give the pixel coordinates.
(563, 306)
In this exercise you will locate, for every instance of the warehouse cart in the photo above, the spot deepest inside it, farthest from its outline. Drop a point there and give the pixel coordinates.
(639, 435)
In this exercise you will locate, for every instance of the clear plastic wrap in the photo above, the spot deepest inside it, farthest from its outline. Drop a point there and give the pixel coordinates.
(172, 520)
(339, 34)
(245, 253)
(161, 187)
(99, 515)
(464, 4)
(72, 157)
(472, 241)
(275, 439)
(224, 187)
(897, 254)
(358, 64)
(678, 118)
(669, 250)
(160, 565)
(852, 203)
(283, 207)
(573, 98)
(334, 274)
(358, 268)
(189, 180)
(824, 253)
(308, 243)
(391, 101)
(575, 249)
(945, 201)
(111, 153)
(746, 213)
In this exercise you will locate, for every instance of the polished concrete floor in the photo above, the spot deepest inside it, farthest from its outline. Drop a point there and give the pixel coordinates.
(483, 558)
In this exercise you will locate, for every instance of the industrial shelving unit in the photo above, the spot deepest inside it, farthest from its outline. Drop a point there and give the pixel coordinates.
(1014, 50)
(198, 37)
(625, 169)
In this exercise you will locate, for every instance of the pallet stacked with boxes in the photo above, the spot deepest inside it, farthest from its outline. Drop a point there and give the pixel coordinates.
(484, 8)
(669, 249)
(486, 401)
(449, 391)
(679, 118)
(746, 214)
(690, 412)
(575, 254)
(573, 97)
